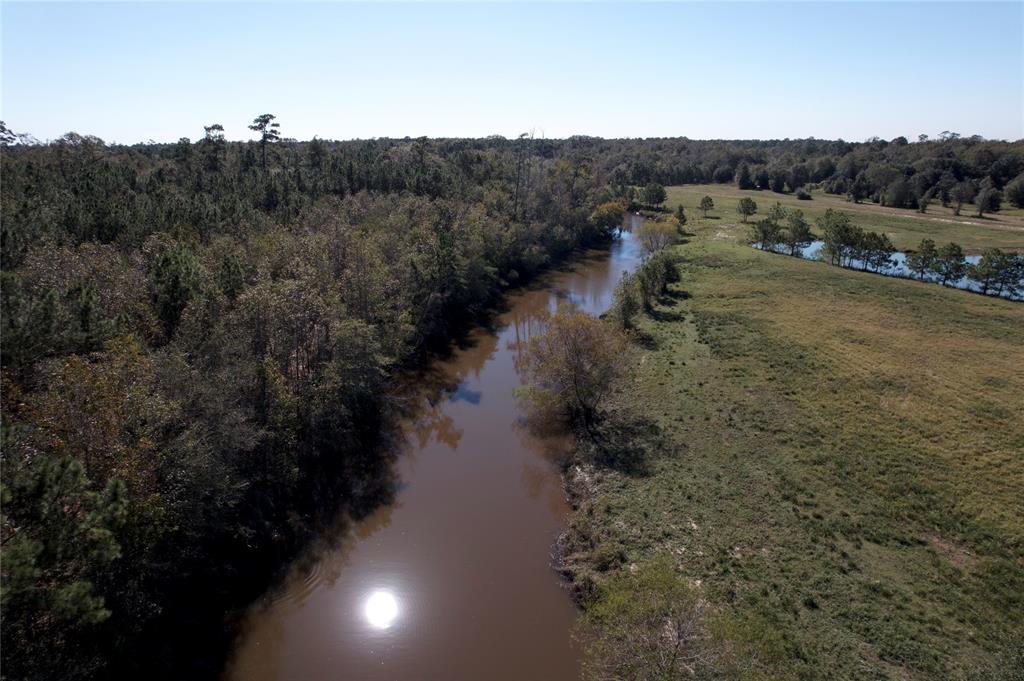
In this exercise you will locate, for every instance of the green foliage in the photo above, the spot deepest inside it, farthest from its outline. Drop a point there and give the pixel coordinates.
(174, 281)
(607, 218)
(655, 235)
(743, 177)
(923, 259)
(961, 193)
(767, 234)
(797, 234)
(680, 216)
(627, 301)
(207, 332)
(654, 194)
(643, 286)
(830, 539)
(572, 366)
(987, 200)
(269, 132)
(218, 343)
(949, 264)
(746, 207)
(998, 272)
(1015, 192)
(875, 251)
(706, 204)
(840, 236)
(59, 535)
(647, 623)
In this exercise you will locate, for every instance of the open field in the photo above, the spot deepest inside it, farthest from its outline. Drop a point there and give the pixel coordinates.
(842, 465)
(906, 228)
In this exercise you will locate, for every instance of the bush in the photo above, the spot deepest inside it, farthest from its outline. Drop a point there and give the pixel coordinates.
(571, 367)
(803, 194)
(627, 301)
(647, 624)
(655, 235)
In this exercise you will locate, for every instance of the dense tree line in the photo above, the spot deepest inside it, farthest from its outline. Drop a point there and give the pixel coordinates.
(197, 345)
(198, 338)
(952, 170)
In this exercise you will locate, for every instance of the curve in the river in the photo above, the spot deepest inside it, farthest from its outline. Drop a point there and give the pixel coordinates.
(453, 580)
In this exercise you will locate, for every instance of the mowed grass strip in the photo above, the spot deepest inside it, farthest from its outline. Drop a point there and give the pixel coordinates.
(843, 471)
(906, 228)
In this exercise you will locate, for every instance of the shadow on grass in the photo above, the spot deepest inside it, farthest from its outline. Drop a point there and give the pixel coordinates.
(644, 340)
(667, 315)
(623, 441)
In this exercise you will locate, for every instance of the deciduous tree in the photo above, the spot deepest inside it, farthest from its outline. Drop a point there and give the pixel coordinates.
(654, 235)
(571, 367)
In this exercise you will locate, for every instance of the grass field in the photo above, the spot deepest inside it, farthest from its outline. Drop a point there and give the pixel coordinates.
(842, 466)
(906, 228)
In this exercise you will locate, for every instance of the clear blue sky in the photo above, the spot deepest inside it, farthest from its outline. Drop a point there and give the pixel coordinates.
(130, 72)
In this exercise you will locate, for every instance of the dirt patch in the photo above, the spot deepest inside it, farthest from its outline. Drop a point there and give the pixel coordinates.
(955, 553)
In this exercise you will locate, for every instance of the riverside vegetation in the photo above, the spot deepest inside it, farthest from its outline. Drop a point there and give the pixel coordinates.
(199, 339)
(828, 484)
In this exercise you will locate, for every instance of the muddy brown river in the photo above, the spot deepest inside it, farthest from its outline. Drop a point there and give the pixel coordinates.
(453, 580)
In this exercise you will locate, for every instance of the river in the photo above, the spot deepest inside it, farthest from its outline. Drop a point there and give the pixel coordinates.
(454, 580)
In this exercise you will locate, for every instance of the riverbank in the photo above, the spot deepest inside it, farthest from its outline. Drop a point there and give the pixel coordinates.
(457, 565)
(835, 471)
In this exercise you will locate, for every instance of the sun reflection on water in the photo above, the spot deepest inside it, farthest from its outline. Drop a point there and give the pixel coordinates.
(381, 609)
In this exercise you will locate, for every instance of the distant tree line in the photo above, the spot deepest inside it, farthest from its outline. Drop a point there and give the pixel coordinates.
(951, 170)
(198, 339)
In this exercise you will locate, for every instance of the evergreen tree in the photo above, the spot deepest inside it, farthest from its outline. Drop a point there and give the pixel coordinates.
(746, 207)
(923, 259)
(949, 264)
(743, 177)
(269, 132)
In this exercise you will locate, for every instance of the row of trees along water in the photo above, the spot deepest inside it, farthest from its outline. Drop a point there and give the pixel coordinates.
(847, 245)
(198, 339)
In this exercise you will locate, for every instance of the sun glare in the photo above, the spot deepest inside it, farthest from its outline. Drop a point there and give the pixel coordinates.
(381, 609)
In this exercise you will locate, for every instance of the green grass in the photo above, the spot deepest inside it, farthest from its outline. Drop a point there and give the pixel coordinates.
(905, 228)
(841, 466)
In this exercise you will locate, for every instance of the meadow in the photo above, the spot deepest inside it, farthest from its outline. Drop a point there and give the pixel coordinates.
(839, 465)
(906, 228)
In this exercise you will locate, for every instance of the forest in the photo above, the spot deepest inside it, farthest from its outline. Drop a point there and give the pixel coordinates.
(199, 340)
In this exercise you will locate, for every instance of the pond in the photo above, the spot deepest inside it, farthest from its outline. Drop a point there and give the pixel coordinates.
(898, 268)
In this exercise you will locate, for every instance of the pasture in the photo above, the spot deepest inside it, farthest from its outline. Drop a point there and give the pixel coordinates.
(906, 228)
(840, 468)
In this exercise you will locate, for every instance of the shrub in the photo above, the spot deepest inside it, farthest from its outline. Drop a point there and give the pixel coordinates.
(571, 367)
(646, 624)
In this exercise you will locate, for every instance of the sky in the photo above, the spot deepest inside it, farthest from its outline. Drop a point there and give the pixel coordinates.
(132, 72)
